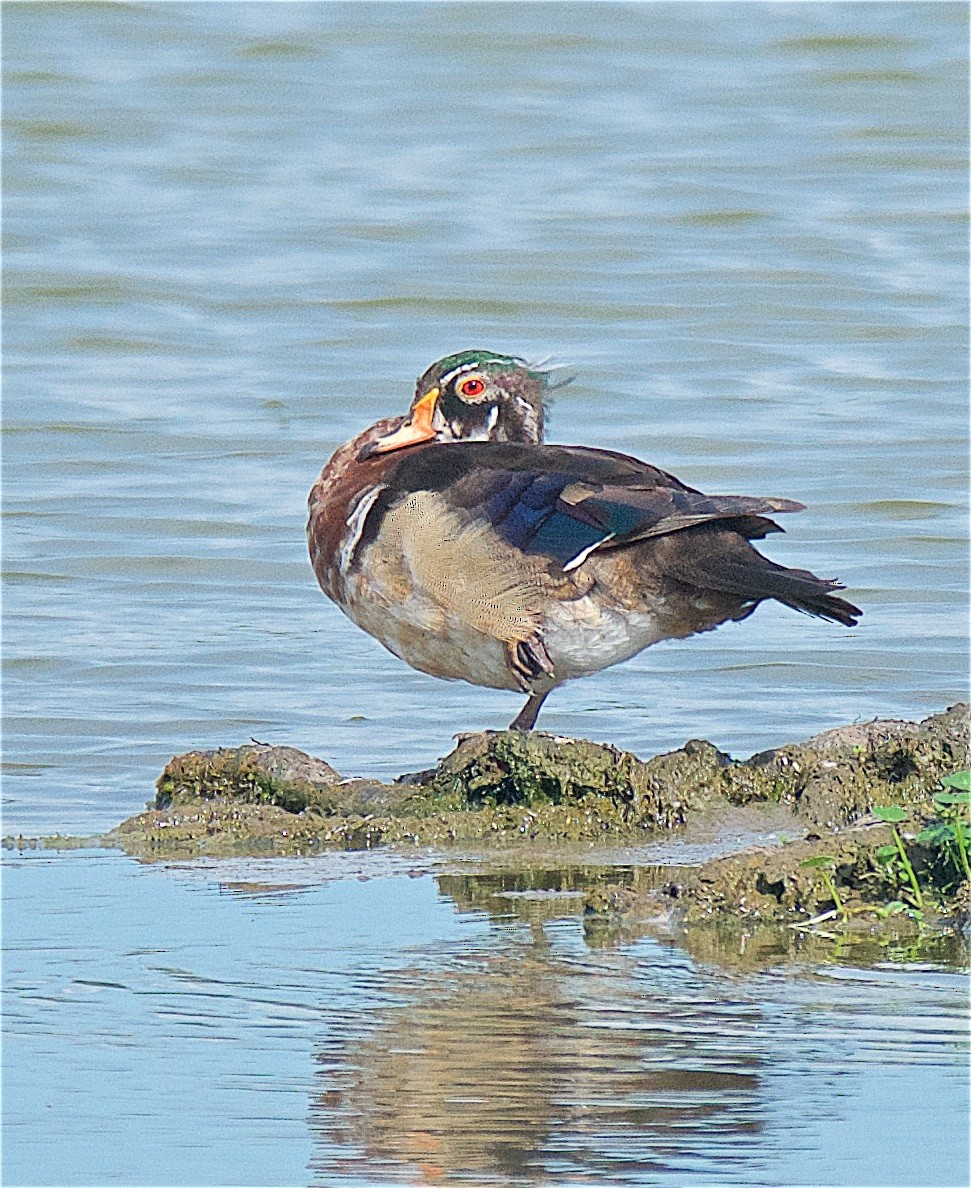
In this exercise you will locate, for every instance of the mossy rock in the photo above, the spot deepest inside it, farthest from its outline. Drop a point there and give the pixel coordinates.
(836, 777)
(257, 774)
(269, 775)
(533, 787)
(511, 768)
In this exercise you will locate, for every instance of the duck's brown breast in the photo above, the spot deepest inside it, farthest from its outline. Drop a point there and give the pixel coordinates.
(338, 503)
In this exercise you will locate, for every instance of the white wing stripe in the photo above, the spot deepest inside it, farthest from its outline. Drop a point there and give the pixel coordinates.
(585, 553)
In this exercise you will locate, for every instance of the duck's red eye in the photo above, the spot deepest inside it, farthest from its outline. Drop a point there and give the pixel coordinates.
(472, 387)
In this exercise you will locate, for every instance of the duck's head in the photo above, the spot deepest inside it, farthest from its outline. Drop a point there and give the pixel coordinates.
(472, 396)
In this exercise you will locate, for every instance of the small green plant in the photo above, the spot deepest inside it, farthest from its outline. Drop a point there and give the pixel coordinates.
(826, 865)
(895, 908)
(951, 832)
(895, 857)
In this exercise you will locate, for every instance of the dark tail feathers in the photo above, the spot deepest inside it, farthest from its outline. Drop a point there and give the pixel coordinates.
(725, 561)
(798, 588)
(826, 606)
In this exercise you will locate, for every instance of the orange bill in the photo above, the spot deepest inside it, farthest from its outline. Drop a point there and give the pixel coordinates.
(416, 429)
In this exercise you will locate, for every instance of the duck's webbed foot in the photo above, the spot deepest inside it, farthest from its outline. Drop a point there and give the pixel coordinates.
(529, 660)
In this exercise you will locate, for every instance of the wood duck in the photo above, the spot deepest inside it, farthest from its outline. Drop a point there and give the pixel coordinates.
(475, 552)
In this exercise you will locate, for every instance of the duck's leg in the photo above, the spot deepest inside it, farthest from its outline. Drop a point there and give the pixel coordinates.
(528, 660)
(526, 718)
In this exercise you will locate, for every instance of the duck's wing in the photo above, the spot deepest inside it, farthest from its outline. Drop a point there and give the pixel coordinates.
(565, 502)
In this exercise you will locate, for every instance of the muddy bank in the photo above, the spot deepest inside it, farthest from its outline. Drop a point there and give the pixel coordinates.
(831, 855)
(535, 788)
(619, 905)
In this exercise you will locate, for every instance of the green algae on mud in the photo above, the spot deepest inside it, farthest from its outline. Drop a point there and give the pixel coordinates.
(534, 788)
(532, 793)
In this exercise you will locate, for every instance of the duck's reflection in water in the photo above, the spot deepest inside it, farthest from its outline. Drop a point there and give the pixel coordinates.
(534, 1058)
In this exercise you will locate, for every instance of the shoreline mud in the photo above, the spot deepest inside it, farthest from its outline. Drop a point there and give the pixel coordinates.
(848, 834)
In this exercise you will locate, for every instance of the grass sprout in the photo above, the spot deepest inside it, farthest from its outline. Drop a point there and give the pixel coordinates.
(896, 854)
(826, 865)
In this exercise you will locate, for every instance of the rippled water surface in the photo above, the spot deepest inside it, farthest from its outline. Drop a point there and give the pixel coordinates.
(359, 1020)
(234, 234)
(237, 232)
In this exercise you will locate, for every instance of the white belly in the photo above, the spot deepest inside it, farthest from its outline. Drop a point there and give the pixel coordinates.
(583, 637)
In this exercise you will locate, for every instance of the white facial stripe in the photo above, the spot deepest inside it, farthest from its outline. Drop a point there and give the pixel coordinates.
(481, 432)
(355, 527)
(530, 418)
(447, 379)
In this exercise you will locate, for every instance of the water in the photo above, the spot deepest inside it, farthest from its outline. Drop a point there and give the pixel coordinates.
(360, 1020)
(237, 232)
(234, 235)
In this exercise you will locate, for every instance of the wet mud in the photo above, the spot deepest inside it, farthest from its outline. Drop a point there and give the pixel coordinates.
(823, 865)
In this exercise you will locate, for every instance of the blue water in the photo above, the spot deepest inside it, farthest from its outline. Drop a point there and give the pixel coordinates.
(234, 234)
(356, 1020)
